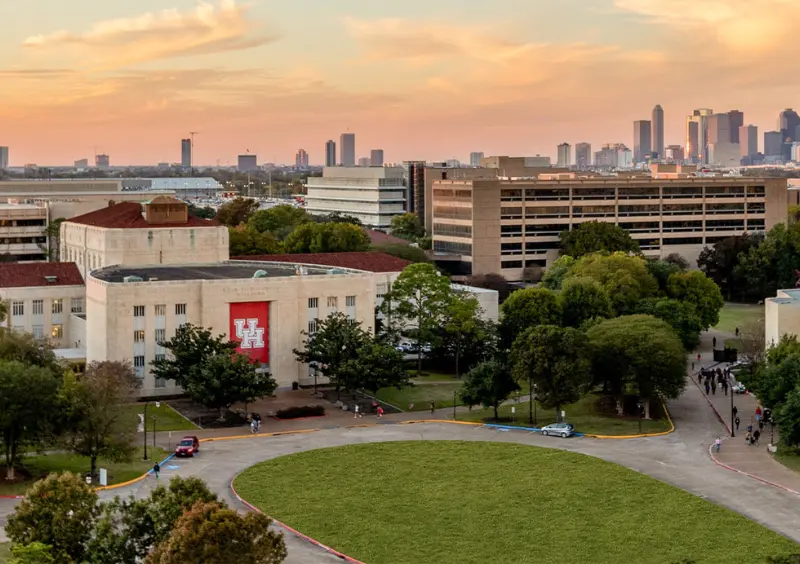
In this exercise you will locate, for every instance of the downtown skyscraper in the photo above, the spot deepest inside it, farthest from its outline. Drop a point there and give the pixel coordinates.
(657, 140)
(642, 136)
(330, 153)
(347, 148)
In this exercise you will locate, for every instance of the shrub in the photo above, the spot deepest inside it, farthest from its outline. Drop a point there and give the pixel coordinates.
(300, 411)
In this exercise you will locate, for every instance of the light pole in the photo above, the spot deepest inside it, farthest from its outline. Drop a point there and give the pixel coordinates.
(144, 427)
(733, 415)
(154, 432)
(535, 419)
(454, 405)
(530, 399)
(639, 406)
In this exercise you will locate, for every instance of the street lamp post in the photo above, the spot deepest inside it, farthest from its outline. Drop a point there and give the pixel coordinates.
(154, 432)
(733, 415)
(454, 405)
(639, 406)
(530, 399)
(144, 427)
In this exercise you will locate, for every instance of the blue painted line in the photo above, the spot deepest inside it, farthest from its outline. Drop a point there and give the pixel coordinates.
(514, 428)
(167, 459)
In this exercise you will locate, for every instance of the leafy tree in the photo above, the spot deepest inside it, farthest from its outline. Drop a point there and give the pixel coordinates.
(489, 384)
(408, 226)
(278, 220)
(28, 398)
(58, 511)
(787, 346)
(376, 365)
(205, 212)
(209, 532)
(581, 299)
(327, 238)
(696, 288)
(496, 282)
(525, 309)
(556, 360)
(677, 260)
(336, 340)
(777, 380)
(596, 236)
(720, 263)
(624, 277)
(52, 245)
(337, 217)
(34, 553)
(639, 350)
(405, 252)
(787, 418)
(465, 338)
(556, 273)
(244, 240)
(771, 265)
(25, 348)
(418, 300)
(237, 211)
(191, 346)
(95, 425)
(661, 271)
(681, 316)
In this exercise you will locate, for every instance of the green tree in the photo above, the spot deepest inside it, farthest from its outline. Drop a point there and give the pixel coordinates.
(771, 264)
(205, 212)
(777, 380)
(96, 426)
(720, 263)
(327, 238)
(244, 240)
(661, 271)
(596, 236)
(209, 532)
(496, 282)
(405, 252)
(677, 260)
(787, 418)
(337, 217)
(237, 211)
(525, 309)
(280, 221)
(376, 365)
(34, 553)
(336, 340)
(488, 384)
(624, 277)
(52, 245)
(639, 350)
(556, 273)
(464, 338)
(582, 299)
(696, 288)
(418, 300)
(58, 511)
(25, 348)
(408, 226)
(556, 360)
(681, 316)
(28, 398)
(190, 347)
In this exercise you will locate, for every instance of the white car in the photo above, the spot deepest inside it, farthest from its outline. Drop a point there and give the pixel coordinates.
(562, 430)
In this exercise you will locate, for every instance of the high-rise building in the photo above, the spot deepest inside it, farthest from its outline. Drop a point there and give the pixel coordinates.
(642, 135)
(613, 155)
(788, 122)
(674, 154)
(583, 155)
(692, 140)
(330, 153)
(475, 159)
(3, 158)
(347, 146)
(364, 161)
(376, 157)
(736, 120)
(301, 160)
(102, 161)
(186, 153)
(564, 155)
(697, 135)
(82, 164)
(719, 129)
(415, 187)
(773, 144)
(247, 163)
(748, 140)
(657, 143)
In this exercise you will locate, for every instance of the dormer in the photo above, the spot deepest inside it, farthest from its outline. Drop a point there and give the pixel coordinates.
(164, 210)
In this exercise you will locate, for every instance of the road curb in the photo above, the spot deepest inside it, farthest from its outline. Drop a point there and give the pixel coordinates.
(295, 532)
(743, 473)
(135, 480)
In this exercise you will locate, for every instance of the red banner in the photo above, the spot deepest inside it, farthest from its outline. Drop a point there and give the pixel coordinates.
(250, 327)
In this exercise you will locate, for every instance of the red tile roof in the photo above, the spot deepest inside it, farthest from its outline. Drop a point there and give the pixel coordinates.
(381, 238)
(368, 261)
(128, 215)
(28, 274)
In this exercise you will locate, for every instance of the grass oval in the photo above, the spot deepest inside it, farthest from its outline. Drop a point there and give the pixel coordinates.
(457, 502)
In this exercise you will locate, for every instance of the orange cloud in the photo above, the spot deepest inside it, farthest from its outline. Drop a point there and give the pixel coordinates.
(153, 36)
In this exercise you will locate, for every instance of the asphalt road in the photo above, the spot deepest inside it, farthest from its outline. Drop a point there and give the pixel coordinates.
(680, 459)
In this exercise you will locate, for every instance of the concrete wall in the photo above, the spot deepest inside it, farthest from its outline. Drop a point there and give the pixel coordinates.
(781, 316)
(44, 323)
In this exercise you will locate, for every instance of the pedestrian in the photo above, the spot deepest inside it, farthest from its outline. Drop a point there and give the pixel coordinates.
(725, 386)
(253, 425)
(758, 413)
(692, 366)
(257, 417)
(736, 422)
(714, 342)
(737, 331)
(713, 387)
(748, 438)
(718, 443)
(380, 412)
(708, 388)
(356, 412)
(433, 407)
(735, 410)
(156, 469)
(750, 428)
(698, 357)
(756, 435)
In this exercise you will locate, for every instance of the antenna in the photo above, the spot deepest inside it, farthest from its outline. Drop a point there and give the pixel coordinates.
(191, 153)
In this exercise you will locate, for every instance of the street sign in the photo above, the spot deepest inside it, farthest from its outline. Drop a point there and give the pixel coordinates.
(103, 477)
(513, 409)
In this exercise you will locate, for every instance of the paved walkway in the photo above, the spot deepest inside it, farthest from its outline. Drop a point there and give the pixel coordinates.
(755, 460)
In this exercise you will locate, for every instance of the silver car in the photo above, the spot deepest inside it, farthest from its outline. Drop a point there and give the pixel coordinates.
(562, 430)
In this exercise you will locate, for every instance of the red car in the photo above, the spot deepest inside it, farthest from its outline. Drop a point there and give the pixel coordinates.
(189, 446)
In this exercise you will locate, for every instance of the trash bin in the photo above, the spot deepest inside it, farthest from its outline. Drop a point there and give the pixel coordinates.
(295, 386)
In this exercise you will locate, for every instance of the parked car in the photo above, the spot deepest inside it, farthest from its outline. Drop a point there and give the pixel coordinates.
(189, 446)
(739, 388)
(562, 430)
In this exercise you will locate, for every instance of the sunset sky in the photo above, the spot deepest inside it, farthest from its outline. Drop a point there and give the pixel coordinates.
(421, 79)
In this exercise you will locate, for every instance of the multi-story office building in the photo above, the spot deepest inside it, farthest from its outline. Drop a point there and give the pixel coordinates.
(642, 136)
(475, 159)
(503, 226)
(186, 153)
(330, 153)
(102, 161)
(724, 154)
(719, 129)
(301, 160)
(748, 140)
(788, 122)
(773, 144)
(81, 164)
(364, 161)
(613, 155)
(415, 187)
(247, 163)
(22, 231)
(3, 158)
(347, 146)
(674, 154)
(376, 157)
(372, 194)
(657, 144)
(735, 121)
(583, 155)
(697, 135)
(692, 146)
(564, 155)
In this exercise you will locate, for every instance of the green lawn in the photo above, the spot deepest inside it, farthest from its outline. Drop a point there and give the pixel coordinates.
(5, 552)
(437, 387)
(455, 502)
(592, 414)
(738, 315)
(167, 419)
(788, 457)
(39, 466)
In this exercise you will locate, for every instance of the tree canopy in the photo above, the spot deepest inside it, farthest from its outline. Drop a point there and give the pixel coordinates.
(582, 299)
(326, 238)
(408, 226)
(528, 308)
(696, 288)
(244, 240)
(720, 261)
(280, 221)
(488, 384)
(624, 277)
(596, 236)
(237, 211)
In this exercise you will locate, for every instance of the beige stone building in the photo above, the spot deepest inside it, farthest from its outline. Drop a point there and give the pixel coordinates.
(505, 225)
(781, 316)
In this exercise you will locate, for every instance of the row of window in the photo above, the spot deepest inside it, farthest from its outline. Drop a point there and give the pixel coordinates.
(56, 307)
(22, 240)
(555, 229)
(159, 310)
(56, 331)
(598, 193)
(449, 230)
(333, 302)
(22, 223)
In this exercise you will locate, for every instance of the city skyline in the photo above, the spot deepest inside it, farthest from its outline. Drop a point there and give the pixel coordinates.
(132, 79)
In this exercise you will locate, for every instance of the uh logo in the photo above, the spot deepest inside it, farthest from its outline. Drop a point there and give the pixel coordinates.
(250, 335)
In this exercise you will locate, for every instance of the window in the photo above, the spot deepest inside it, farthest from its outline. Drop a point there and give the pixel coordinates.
(138, 365)
(160, 310)
(313, 303)
(350, 301)
(160, 356)
(76, 305)
(452, 230)
(161, 335)
(333, 302)
(138, 311)
(180, 309)
(58, 306)
(38, 331)
(38, 307)
(18, 308)
(161, 382)
(138, 336)
(381, 290)
(57, 332)
(312, 326)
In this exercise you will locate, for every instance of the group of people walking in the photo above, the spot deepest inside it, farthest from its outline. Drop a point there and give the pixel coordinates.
(712, 379)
